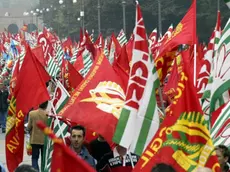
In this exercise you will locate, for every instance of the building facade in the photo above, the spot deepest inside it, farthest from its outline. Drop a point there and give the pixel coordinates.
(13, 12)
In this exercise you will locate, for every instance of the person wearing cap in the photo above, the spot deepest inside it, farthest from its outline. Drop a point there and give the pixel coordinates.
(3, 105)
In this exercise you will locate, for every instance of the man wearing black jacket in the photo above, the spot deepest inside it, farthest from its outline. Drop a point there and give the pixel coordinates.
(3, 106)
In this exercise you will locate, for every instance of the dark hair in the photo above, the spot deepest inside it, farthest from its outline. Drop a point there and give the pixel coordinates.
(25, 168)
(43, 105)
(78, 127)
(224, 150)
(163, 167)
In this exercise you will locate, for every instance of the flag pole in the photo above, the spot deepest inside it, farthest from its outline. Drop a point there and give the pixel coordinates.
(161, 99)
(54, 110)
(218, 5)
(195, 65)
(195, 45)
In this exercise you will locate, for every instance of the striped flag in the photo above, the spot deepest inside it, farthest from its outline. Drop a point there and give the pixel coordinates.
(60, 129)
(59, 54)
(106, 50)
(122, 38)
(227, 2)
(206, 67)
(217, 90)
(53, 67)
(87, 61)
(220, 131)
(74, 58)
(139, 119)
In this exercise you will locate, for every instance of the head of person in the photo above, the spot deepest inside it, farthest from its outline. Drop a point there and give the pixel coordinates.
(43, 105)
(25, 168)
(121, 150)
(222, 154)
(163, 167)
(77, 137)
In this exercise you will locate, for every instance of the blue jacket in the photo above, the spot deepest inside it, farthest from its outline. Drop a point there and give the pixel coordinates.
(84, 154)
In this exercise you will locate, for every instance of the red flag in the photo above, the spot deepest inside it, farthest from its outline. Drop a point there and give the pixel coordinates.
(124, 76)
(123, 60)
(129, 47)
(74, 77)
(30, 88)
(174, 77)
(61, 153)
(99, 96)
(114, 44)
(184, 33)
(30, 91)
(46, 46)
(68, 47)
(38, 52)
(89, 45)
(100, 43)
(184, 128)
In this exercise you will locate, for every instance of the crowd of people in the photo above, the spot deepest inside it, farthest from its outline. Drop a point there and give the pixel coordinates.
(99, 154)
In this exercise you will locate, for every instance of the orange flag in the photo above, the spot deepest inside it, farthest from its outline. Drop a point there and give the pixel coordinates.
(61, 153)
(184, 33)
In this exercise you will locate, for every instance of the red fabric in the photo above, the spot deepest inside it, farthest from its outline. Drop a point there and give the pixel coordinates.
(14, 142)
(124, 76)
(117, 45)
(86, 107)
(30, 91)
(46, 46)
(100, 41)
(74, 77)
(184, 33)
(185, 102)
(164, 64)
(30, 88)
(78, 64)
(129, 47)
(38, 52)
(67, 46)
(123, 60)
(69, 161)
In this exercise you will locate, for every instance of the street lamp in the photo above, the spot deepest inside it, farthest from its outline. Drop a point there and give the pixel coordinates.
(124, 15)
(74, 1)
(60, 1)
(159, 18)
(25, 13)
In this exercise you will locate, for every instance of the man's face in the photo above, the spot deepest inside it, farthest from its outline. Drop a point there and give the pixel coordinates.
(77, 139)
(220, 157)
